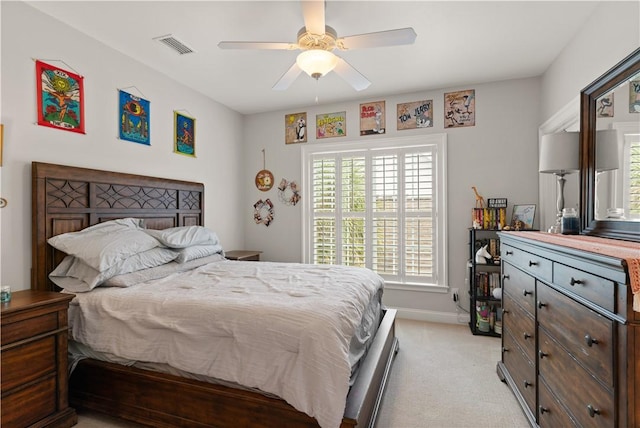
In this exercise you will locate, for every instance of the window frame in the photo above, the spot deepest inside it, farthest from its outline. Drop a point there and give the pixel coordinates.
(438, 144)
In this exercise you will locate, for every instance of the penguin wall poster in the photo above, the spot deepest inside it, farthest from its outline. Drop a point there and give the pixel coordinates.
(295, 128)
(460, 109)
(372, 118)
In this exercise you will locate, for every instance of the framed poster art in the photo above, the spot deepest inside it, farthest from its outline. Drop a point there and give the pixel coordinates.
(525, 214)
(634, 96)
(60, 98)
(372, 118)
(134, 118)
(184, 134)
(295, 128)
(460, 109)
(331, 125)
(416, 114)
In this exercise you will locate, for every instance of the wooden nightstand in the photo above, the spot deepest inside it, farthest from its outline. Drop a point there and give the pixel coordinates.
(34, 360)
(244, 255)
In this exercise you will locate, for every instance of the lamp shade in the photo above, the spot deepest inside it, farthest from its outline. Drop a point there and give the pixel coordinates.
(607, 150)
(560, 153)
(316, 62)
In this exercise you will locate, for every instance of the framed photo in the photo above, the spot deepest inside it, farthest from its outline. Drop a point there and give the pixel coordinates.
(331, 125)
(460, 108)
(524, 213)
(60, 98)
(133, 113)
(184, 134)
(372, 120)
(605, 105)
(417, 114)
(295, 128)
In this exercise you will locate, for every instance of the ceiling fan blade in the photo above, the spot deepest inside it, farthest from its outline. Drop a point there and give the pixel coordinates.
(401, 36)
(313, 13)
(287, 78)
(258, 45)
(351, 75)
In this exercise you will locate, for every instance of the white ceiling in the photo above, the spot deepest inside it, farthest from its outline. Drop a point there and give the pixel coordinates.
(459, 43)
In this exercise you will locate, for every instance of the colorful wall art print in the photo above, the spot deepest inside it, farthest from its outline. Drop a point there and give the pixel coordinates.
(417, 114)
(295, 128)
(372, 120)
(604, 105)
(331, 125)
(134, 118)
(460, 109)
(634, 96)
(60, 98)
(184, 134)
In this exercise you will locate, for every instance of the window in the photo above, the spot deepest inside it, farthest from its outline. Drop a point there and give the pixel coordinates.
(631, 176)
(378, 204)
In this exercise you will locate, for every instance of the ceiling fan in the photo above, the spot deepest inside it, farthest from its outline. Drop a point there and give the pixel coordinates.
(317, 41)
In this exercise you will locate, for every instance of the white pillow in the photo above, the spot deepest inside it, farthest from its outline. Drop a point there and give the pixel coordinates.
(196, 252)
(74, 275)
(103, 245)
(184, 236)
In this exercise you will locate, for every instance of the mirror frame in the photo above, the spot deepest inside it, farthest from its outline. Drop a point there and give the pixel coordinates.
(615, 229)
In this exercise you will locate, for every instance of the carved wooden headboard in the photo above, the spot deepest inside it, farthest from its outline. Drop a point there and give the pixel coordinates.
(68, 199)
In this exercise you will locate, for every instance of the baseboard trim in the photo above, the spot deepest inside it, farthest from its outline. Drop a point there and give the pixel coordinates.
(432, 316)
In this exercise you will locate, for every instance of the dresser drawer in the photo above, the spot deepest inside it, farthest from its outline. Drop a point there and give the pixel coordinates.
(29, 327)
(587, 400)
(41, 358)
(551, 413)
(521, 369)
(591, 287)
(520, 324)
(520, 286)
(531, 263)
(586, 334)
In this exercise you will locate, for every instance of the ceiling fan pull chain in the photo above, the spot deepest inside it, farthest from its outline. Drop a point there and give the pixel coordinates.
(317, 83)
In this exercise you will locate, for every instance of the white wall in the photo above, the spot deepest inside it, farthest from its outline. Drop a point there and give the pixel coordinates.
(28, 34)
(498, 156)
(609, 35)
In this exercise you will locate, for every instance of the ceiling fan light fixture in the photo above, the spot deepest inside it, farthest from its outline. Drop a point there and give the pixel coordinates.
(316, 62)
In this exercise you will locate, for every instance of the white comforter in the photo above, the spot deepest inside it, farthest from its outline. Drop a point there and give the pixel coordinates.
(283, 328)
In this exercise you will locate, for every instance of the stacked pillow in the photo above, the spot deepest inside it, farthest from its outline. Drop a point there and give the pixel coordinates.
(122, 246)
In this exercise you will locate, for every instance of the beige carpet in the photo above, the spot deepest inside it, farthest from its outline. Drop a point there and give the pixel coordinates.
(443, 377)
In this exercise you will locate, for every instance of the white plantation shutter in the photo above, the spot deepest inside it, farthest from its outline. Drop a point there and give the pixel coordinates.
(376, 207)
(632, 178)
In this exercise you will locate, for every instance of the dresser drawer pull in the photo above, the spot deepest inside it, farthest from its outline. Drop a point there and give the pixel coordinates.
(575, 281)
(525, 293)
(527, 384)
(542, 354)
(506, 276)
(505, 349)
(509, 253)
(541, 305)
(526, 335)
(592, 411)
(590, 340)
(543, 410)
(505, 311)
(531, 263)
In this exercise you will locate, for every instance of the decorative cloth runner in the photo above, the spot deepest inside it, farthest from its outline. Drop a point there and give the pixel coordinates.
(626, 250)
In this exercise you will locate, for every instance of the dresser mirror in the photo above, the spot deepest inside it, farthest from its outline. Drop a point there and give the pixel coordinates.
(610, 153)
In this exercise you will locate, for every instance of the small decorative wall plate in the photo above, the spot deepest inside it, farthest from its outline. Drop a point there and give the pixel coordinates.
(264, 180)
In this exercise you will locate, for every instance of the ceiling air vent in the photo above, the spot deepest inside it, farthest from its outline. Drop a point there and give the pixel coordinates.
(175, 44)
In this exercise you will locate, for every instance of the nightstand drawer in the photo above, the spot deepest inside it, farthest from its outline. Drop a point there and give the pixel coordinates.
(30, 327)
(39, 399)
(243, 255)
(41, 357)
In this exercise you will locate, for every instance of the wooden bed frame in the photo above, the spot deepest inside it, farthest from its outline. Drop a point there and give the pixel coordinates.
(67, 199)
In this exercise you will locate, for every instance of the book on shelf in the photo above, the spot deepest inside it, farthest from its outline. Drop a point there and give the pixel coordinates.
(489, 218)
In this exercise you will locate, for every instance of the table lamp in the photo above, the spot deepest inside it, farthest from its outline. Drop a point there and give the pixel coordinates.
(559, 155)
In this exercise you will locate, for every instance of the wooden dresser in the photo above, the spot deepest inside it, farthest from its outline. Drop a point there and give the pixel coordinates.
(34, 360)
(571, 340)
